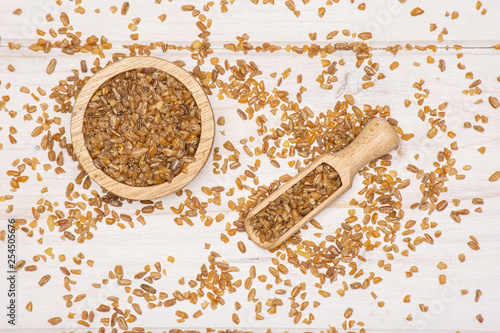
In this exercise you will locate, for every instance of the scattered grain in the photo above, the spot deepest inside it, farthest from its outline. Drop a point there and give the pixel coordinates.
(416, 11)
(51, 66)
(125, 8)
(54, 321)
(495, 176)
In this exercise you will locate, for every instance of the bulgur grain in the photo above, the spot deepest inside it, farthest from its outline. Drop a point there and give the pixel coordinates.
(478, 295)
(55, 320)
(285, 211)
(51, 66)
(44, 279)
(495, 176)
(167, 151)
(125, 8)
(416, 11)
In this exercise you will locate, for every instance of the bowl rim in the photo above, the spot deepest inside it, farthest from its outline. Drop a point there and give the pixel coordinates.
(144, 192)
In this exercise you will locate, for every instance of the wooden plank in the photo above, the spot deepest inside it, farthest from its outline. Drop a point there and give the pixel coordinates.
(161, 237)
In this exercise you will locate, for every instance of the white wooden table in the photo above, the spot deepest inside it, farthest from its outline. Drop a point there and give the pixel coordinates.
(133, 248)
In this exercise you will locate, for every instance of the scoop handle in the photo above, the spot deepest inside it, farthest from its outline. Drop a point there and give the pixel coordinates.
(377, 138)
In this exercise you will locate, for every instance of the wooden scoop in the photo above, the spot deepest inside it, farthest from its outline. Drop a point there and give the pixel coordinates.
(377, 138)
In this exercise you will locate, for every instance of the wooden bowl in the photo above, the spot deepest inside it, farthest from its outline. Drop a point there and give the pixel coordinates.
(147, 192)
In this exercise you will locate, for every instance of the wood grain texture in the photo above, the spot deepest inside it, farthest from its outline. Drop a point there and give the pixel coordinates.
(149, 192)
(377, 138)
(389, 20)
